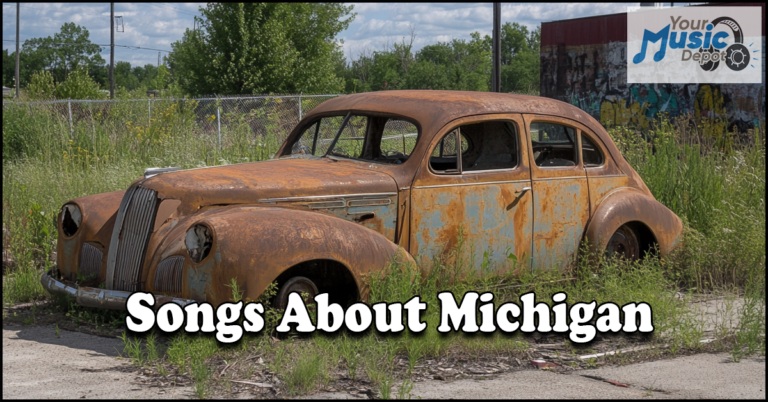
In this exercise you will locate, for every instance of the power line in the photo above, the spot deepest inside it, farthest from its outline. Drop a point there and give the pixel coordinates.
(98, 44)
(143, 48)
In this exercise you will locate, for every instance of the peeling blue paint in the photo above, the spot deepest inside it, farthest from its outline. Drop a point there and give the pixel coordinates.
(482, 212)
(562, 224)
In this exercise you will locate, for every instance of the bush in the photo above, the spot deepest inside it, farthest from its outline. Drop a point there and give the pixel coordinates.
(41, 86)
(79, 85)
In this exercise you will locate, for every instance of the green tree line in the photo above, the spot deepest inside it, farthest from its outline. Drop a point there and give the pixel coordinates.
(256, 48)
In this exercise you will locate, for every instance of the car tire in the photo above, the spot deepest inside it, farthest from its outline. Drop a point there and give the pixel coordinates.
(299, 284)
(624, 243)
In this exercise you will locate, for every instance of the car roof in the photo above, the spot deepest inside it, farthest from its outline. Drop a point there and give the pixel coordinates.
(434, 109)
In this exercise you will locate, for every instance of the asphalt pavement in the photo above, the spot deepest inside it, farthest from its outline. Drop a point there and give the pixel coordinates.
(38, 364)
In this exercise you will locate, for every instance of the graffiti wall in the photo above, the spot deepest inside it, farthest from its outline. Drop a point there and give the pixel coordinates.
(584, 62)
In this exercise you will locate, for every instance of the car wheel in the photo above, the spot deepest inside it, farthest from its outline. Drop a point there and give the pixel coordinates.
(624, 243)
(300, 285)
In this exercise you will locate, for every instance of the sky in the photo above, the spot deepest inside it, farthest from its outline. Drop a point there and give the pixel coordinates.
(376, 25)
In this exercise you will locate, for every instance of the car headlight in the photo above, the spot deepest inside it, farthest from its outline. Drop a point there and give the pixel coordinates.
(199, 240)
(71, 218)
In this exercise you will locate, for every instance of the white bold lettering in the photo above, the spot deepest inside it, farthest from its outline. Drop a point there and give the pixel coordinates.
(414, 307)
(170, 312)
(350, 318)
(229, 313)
(450, 311)
(296, 313)
(323, 309)
(582, 313)
(140, 312)
(529, 313)
(395, 323)
(254, 319)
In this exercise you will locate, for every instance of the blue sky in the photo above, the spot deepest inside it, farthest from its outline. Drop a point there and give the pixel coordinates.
(157, 25)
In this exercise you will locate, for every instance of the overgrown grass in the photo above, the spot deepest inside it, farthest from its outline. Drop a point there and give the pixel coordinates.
(717, 185)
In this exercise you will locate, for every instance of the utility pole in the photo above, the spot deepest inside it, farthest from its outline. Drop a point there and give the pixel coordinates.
(17, 51)
(158, 59)
(111, 50)
(496, 78)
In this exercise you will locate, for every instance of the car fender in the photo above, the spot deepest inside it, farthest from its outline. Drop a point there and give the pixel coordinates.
(99, 212)
(625, 205)
(256, 244)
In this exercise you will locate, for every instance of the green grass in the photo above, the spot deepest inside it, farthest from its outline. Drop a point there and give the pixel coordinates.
(305, 373)
(716, 185)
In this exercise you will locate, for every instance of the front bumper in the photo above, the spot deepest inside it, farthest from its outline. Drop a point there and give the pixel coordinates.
(100, 298)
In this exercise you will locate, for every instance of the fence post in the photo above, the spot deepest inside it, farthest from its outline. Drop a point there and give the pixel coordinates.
(300, 93)
(149, 119)
(69, 106)
(218, 121)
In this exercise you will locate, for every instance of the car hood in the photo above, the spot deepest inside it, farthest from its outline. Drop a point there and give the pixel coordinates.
(249, 183)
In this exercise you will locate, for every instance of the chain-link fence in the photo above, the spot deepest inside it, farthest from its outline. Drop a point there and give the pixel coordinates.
(261, 115)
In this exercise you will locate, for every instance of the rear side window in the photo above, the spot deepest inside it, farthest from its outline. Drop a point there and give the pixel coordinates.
(590, 153)
(371, 138)
(554, 145)
(316, 138)
(350, 141)
(399, 138)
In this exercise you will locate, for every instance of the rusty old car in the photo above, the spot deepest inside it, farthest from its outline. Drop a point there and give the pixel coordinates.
(363, 179)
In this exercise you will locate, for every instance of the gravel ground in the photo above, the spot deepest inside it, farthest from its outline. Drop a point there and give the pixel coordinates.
(39, 365)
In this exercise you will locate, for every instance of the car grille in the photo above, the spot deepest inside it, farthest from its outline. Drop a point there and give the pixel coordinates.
(168, 275)
(127, 247)
(90, 261)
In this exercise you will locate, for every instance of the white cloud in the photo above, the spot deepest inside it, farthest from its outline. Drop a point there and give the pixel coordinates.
(389, 22)
(152, 25)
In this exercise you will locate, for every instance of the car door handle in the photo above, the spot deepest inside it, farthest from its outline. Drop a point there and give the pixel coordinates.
(522, 191)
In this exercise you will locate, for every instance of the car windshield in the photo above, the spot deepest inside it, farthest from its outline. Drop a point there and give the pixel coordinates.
(370, 138)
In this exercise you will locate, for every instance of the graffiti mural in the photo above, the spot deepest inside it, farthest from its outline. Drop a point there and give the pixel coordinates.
(594, 78)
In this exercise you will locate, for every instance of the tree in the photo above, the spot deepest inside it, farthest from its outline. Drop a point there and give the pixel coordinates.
(520, 58)
(68, 49)
(124, 77)
(260, 48)
(9, 68)
(456, 65)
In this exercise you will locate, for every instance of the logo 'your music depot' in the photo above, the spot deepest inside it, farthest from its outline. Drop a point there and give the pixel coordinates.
(695, 45)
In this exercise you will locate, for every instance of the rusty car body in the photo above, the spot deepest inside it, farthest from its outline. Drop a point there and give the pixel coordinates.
(364, 179)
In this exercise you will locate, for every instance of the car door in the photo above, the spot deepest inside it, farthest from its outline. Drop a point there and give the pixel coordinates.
(560, 190)
(479, 196)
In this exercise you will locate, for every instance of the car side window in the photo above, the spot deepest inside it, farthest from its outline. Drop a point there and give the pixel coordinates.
(554, 145)
(399, 138)
(494, 145)
(318, 136)
(350, 141)
(487, 145)
(444, 158)
(590, 153)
